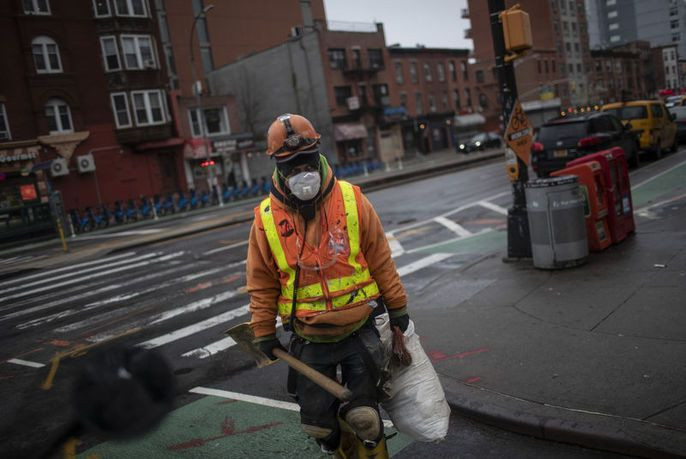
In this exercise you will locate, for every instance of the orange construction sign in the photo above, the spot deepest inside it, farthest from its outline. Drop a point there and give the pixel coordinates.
(519, 133)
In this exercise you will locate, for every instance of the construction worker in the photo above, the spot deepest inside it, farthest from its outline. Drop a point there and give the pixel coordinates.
(319, 258)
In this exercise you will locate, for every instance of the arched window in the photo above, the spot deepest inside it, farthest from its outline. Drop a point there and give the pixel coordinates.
(59, 116)
(46, 55)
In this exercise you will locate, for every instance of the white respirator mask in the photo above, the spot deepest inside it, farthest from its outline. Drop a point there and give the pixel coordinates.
(305, 185)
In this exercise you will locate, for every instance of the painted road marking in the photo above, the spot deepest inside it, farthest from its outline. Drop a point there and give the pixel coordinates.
(493, 207)
(54, 278)
(228, 247)
(211, 349)
(254, 399)
(452, 226)
(85, 291)
(195, 328)
(26, 363)
(117, 299)
(646, 211)
(449, 241)
(93, 276)
(423, 263)
(450, 212)
(396, 248)
(53, 271)
(120, 234)
(666, 171)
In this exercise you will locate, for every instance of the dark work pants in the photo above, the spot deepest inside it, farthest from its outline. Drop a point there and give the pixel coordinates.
(318, 407)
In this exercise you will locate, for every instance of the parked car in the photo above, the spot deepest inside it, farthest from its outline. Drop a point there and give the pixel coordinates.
(679, 114)
(650, 120)
(675, 101)
(565, 138)
(481, 141)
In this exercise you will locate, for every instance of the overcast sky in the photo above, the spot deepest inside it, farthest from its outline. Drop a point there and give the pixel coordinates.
(433, 23)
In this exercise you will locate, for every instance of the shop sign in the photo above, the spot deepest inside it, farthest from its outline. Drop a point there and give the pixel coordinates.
(225, 146)
(18, 154)
(247, 143)
(28, 192)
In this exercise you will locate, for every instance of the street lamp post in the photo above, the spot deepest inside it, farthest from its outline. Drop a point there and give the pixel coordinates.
(197, 90)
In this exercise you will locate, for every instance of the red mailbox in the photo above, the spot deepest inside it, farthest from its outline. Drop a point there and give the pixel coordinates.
(618, 190)
(592, 184)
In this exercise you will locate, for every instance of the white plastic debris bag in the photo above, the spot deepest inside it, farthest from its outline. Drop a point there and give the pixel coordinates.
(417, 404)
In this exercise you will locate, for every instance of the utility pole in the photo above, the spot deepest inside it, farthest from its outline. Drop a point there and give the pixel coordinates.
(197, 90)
(518, 238)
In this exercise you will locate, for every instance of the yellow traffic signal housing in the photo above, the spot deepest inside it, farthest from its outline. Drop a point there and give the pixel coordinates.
(516, 30)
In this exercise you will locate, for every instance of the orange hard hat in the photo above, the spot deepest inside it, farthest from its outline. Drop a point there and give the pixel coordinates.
(289, 134)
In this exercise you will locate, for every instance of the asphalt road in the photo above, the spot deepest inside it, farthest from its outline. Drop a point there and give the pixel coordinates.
(179, 296)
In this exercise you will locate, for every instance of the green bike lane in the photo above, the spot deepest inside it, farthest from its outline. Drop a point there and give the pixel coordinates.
(226, 424)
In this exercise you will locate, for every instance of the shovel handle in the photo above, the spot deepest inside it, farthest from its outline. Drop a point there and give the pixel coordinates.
(316, 377)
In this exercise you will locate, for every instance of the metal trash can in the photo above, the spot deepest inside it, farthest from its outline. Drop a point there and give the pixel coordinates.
(555, 208)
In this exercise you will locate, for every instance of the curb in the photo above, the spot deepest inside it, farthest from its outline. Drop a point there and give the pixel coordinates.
(598, 431)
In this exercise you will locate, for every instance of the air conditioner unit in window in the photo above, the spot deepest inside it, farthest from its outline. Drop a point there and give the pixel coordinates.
(149, 64)
(296, 31)
(58, 167)
(85, 163)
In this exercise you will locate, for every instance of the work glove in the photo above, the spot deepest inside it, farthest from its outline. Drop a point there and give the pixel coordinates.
(267, 345)
(401, 322)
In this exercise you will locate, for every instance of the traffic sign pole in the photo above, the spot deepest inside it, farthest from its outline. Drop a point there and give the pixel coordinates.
(518, 239)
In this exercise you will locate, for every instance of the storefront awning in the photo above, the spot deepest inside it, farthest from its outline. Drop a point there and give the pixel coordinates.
(349, 131)
(167, 143)
(473, 119)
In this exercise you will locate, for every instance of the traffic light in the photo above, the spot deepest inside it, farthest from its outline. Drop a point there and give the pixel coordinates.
(207, 163)
(516, 32)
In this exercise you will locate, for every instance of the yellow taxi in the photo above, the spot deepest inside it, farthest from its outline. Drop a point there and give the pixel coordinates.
(650, 120)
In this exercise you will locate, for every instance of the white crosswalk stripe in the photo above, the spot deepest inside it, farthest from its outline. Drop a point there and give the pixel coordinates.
(95, 275)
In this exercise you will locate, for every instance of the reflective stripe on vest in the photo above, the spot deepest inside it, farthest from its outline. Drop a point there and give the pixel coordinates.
(343, 291)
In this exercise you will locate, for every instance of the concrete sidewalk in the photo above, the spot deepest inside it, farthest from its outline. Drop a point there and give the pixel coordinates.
(594, 356)
(421, 166)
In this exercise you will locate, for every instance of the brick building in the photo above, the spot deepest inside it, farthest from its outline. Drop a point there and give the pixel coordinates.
(222, 125)
(434, 85)
(618, 75)
(85, 81)
(556, 72)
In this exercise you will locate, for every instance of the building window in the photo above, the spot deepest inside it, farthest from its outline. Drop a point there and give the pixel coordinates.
(440, 70)
(674, 24)
(403, 99)
(59, 116)
(615, 38)
(101, 8)
(445, 103)
(565, 26)
(576, 47)
(362, 93)
(399, 73)
(110, 54)
(4, 124)
(375, 58)
(456, 99)
(468, 97)
(380, 92)
(612, 14)
(138, 53)
(545, 64)
(479, 74)
(571, 68)
(342, 93)
(613, 26)
(483, 101)
(553, 65)
(46, 55)
(419, 103)
(413, 72)
(465, 70)
(676, 37)
(135, 8)
(337, 58)
(427, 72)
(214, 122)
(568, 47)
(120, 108)
(578, 68)
(36, 7)
(147, 105)
(611, 2)
(432, 103)
(452, 70)
(539, 66)
(357, 58)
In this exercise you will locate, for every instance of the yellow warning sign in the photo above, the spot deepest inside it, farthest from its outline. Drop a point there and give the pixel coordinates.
(519, 133)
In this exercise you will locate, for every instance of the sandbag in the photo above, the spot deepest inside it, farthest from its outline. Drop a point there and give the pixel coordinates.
(416, 402)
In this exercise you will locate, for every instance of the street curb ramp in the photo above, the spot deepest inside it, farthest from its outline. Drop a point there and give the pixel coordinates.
(599, 431)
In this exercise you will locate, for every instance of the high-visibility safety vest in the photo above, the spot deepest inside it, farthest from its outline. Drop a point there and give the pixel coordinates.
(343, 281)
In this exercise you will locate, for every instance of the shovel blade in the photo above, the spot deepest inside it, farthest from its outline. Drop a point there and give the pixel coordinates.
(243, 335)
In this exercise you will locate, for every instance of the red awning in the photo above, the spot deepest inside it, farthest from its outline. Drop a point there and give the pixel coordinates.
(170, 142)
(349, 131)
